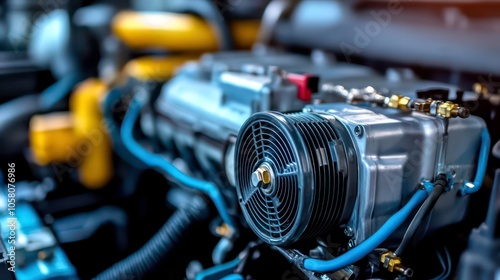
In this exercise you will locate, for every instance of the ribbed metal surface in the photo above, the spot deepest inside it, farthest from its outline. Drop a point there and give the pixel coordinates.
(329, 188)
(298, 206)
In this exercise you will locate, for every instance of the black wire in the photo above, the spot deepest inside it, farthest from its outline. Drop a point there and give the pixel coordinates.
(161, 246)
(422, 213)
(493, 216)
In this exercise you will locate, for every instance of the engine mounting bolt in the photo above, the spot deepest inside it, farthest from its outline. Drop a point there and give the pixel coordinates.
(348, 231)
(261, 175)
(358, 130)
(351, 243)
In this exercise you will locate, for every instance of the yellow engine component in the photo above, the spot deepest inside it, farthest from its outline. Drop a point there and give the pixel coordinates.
(97, 168)
(78, 138)
(44, 130)
(393, 263)
(177, 32)
(157, 69)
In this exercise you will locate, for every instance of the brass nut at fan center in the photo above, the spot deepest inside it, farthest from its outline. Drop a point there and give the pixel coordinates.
(261, 175)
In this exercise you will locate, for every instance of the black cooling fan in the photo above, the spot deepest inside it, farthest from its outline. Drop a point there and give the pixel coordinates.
(295, 175)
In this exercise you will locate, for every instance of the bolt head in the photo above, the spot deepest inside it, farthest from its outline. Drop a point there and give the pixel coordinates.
(348, 231)
(463, 113)
(256, 178)
(358, 130)
(261, 175)
(408, 272)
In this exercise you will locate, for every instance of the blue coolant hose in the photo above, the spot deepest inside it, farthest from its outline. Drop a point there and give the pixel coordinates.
(158, 162)
(370, 244)
(484, 151)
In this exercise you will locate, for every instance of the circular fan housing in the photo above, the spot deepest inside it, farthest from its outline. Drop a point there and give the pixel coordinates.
(294, 177)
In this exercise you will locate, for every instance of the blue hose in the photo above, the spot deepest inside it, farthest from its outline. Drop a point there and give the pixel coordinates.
(114, 128)
(157, 161)
(370, 244)
(57, 91)
(219, 271)
(468, 187)
(221, 249)
(233, 277)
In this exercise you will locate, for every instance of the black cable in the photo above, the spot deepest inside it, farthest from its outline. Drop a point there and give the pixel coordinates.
(162, 245)
(425, 209)
(493, 217)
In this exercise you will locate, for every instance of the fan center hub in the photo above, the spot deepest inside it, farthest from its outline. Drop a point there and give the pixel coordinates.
(262, 177)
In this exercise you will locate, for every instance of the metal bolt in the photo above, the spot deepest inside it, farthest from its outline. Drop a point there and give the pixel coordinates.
(358, 130)
(453, 173)
(261, 175)
(42, 255)
(348, 231)
(351, 243)
(463, 113)
(408, 272)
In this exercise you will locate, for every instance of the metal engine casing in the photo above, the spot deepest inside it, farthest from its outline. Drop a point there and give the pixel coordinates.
(201, 109)
(395, 151)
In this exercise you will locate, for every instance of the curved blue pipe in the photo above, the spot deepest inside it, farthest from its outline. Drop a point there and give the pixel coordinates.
(221, 249)
(370, 244)
(57, 91)
(157, 161)
(114, 95)
(469, 187)
(233, 277)
(219, 271)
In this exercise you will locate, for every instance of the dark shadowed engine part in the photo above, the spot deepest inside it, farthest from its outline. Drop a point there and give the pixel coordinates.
(294, 177)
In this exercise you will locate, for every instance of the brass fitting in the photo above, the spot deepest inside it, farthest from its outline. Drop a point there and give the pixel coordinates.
(400, 102)
(261, 175)
(393, 101)
(404, 103)
(451, 110)
(223, 230)
(393, 263)
(423, 106)
(480, 88)
(446, 109)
